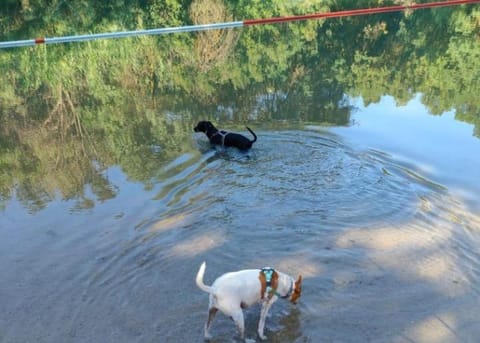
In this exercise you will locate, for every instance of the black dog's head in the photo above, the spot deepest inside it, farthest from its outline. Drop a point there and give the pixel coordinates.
(204, 126)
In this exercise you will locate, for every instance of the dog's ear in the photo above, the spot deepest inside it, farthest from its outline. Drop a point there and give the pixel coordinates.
(298, 283)
(297, 290)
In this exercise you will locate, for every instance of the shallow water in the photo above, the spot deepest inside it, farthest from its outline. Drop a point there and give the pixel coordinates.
(388, 252)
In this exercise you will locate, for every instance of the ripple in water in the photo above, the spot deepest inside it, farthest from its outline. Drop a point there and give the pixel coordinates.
(384, 251)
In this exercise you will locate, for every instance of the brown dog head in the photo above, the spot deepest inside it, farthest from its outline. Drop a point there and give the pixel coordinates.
(297, 290)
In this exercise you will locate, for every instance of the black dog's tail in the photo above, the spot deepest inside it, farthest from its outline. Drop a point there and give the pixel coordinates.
(253, 133)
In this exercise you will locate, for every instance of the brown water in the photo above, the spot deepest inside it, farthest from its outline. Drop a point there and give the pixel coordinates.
(388, 248)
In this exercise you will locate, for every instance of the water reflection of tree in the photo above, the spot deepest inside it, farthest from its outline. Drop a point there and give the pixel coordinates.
(63, 120)
(212, 47)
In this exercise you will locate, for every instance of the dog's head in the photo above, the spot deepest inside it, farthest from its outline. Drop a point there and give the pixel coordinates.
(297, 290)
(204, 126)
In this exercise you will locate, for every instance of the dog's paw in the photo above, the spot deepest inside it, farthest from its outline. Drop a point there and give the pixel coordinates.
(249, 340)
(262, 336)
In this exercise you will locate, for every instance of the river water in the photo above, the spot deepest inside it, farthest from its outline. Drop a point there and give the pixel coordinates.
(380, 218)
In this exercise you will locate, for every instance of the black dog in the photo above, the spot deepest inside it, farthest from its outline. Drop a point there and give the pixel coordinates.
(224, 138)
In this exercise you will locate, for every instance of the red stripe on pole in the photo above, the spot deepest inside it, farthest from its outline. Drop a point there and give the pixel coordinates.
(363, 11)
(39, 40)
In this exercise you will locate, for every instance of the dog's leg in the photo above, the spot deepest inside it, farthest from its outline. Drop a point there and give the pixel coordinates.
(211, 314)
(238, 319)
(263, 315)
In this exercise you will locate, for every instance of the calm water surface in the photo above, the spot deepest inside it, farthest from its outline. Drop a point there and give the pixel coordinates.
(381, 219)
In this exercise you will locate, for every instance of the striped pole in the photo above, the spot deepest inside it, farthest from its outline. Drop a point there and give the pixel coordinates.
(108, 35)
(233, 24)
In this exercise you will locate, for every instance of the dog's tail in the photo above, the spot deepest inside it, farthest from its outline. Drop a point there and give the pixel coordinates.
(199, 279)
(253, 133)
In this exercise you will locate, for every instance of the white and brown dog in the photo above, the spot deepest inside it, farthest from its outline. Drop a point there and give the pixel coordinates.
(234, 291)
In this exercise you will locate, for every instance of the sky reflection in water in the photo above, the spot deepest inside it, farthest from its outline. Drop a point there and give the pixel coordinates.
(437, 146)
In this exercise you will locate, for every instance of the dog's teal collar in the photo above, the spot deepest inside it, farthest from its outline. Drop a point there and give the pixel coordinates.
(268, 272)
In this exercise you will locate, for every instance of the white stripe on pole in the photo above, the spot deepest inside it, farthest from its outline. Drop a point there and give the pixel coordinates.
(17, 44)
(108, 35)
